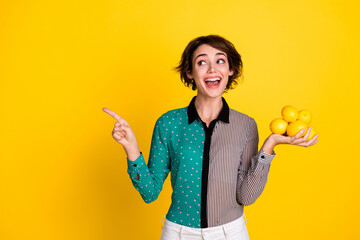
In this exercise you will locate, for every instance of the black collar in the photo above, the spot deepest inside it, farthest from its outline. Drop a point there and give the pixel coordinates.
(193, 115)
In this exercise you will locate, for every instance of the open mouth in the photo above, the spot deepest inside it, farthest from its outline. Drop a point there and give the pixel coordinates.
(212, 82)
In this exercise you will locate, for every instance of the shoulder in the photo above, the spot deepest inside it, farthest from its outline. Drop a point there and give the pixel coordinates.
(175, 116)
(244, 122)
(239, 117)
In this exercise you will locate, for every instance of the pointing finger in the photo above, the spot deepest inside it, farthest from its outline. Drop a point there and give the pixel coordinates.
(113, 114)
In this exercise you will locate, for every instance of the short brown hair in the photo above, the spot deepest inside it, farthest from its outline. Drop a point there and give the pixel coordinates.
(218, 42)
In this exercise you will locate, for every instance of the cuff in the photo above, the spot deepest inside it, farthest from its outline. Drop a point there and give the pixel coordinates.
(265, 157)
(138, 163)
(134, 167)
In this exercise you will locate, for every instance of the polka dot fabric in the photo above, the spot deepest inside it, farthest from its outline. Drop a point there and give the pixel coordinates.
(177, 147)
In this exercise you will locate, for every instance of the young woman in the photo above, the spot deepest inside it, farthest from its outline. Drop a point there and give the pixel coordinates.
(210, 150)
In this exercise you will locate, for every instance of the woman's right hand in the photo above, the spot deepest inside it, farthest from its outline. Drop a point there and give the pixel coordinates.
(123, 134)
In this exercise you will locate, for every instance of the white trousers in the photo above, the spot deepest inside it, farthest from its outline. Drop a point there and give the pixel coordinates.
(235, 230)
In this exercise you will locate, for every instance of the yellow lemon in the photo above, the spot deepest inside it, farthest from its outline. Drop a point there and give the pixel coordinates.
(312, 134)
(305, 115)
(278, 126)
(289, 113)
(294, 127)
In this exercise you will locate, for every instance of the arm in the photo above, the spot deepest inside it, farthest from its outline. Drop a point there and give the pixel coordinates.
(147, 179)
(253, 169)
(253, 173)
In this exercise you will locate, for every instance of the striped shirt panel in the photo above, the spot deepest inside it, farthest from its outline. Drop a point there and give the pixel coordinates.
(237, 171)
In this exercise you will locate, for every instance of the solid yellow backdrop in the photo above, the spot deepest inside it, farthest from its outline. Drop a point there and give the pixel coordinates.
(62, 176)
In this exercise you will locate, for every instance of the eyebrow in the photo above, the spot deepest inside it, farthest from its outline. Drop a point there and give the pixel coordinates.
(204, 54)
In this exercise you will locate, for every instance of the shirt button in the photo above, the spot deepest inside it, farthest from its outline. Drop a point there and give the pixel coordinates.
(135, 165)
(262, 156)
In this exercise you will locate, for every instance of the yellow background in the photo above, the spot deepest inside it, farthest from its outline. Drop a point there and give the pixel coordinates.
(62, 176)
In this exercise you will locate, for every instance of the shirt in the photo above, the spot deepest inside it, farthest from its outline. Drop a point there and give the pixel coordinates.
(215, 170)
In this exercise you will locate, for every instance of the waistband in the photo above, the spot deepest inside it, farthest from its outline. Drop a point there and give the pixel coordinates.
(225, 227)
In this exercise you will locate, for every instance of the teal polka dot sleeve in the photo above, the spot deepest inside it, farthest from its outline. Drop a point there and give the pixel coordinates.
(153, 175)
(176, 147)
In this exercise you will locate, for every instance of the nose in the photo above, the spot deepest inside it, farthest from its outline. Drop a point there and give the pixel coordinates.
(211, 68)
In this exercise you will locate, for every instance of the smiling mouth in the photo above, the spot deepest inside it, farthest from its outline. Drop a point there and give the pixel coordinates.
(212, 82)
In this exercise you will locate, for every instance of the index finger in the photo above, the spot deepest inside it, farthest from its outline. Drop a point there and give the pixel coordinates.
(113, 114)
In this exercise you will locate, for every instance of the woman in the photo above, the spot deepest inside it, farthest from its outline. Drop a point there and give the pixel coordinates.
(210, 150)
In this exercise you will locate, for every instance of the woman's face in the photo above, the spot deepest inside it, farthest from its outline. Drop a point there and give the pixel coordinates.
(210, 70)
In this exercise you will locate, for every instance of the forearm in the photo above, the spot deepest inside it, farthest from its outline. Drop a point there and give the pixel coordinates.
(148, 178)
(252, 182)
(148, 182)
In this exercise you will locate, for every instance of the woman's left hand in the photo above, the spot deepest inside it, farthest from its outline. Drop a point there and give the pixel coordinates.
(295, 140)
(276, 139)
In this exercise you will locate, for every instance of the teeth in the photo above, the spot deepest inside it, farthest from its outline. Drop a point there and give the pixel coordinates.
(212, 79)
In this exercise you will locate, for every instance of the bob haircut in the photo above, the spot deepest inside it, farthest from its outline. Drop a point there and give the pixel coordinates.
(215, 41)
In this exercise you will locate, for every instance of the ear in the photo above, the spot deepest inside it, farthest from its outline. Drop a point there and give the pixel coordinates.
(189, 75)
(231, 72)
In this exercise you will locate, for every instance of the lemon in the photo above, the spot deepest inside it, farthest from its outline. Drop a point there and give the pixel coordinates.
(278, 126)
(289, 113)
(294, 127)
(305, 115)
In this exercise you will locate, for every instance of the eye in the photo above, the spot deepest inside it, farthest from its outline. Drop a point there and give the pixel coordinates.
(201, 62)
(221, 61)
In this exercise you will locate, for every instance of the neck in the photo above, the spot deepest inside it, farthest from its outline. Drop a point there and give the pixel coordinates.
(208, 108)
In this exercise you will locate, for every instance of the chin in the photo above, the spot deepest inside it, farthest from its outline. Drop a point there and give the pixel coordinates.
(213, 93)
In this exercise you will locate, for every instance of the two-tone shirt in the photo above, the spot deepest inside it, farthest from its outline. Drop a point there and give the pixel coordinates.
(215, 170)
